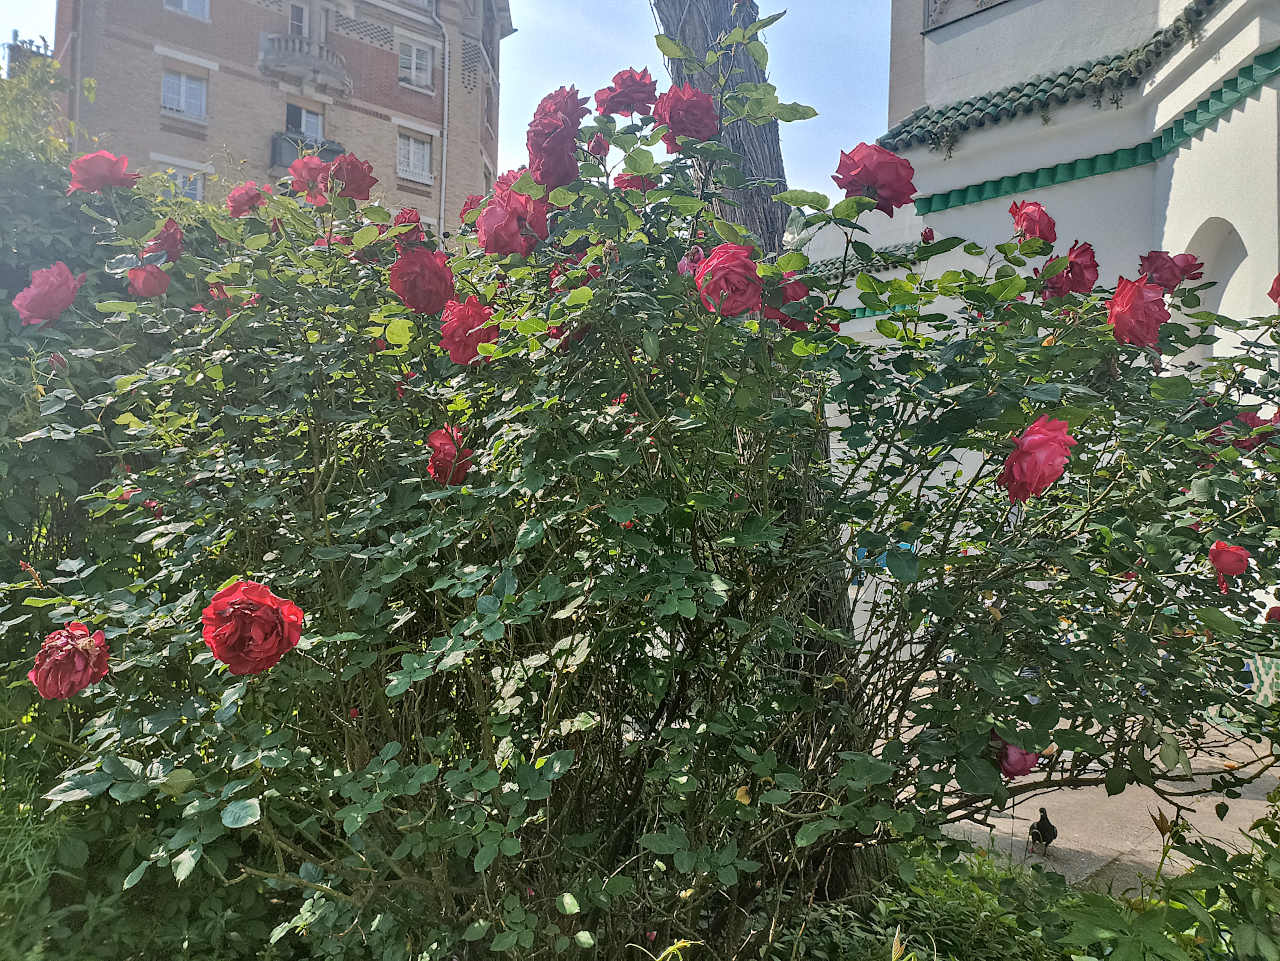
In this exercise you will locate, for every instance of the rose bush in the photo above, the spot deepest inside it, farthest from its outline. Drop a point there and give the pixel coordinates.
(629, 607)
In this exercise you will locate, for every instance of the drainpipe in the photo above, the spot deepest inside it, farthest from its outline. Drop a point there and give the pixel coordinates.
(444, 128)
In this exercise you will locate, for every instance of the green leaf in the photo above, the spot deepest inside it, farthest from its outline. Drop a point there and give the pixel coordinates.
(584, 939)
(1116, 780)
(562, 197)
(258, 241)
(1216, 621)
(1008, 288)
(812, 830)
(476, 930)
(240, 814)
(566, 903)
(759, 53)
(640, 161)
(671, 48)
(793, 260)
(375, 214)
(504, 940)
(803, 198)
(904, 566)
(365, 236)
(977, 775)
(579, 295)
(134, 876)
(851, 207)
(728, 231)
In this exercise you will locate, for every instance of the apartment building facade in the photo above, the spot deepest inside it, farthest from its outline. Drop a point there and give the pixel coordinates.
(216, 92)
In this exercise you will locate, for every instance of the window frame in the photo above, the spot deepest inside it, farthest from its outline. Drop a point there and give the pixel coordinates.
(185, 82)
(181, 176)
(411, 80)
(420, 175)
(301, 129)
(306, 20)
(182, 7)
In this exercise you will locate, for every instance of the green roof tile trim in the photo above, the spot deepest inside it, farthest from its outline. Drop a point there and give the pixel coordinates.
(1234, 91)
(1095, 79)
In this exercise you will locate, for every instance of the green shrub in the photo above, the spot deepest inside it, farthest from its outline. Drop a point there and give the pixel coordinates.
(719, 613)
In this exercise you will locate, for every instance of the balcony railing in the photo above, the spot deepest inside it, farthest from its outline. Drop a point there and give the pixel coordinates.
(302, 59)
(287, 146)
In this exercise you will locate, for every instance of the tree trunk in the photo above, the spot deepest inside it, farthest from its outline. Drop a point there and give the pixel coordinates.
(696, 24)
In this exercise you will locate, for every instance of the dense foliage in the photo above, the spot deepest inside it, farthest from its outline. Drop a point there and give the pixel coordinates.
(635, 604)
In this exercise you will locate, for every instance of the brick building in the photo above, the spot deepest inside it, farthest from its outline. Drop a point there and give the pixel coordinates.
(215, 92)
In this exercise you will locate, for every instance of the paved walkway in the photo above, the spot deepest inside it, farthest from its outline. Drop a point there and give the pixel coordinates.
(1107, 843)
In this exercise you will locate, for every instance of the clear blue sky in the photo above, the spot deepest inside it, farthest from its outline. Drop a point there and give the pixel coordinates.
(830, 54)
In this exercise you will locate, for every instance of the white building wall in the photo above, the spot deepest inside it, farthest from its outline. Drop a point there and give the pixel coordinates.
(1016, 41)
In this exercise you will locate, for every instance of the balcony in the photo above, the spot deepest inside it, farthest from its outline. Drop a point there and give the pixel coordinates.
(304, 61)
(288, 146)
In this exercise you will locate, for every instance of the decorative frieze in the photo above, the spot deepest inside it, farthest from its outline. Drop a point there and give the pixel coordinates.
(938, 13)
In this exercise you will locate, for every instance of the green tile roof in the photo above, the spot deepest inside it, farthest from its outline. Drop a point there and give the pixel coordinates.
(939, 127)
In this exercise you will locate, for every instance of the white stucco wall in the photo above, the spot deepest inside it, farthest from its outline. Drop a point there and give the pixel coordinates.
(1026, 38)
(1227, 180)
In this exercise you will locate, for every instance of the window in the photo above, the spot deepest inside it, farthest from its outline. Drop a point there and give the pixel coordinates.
(306, 122)
(416, 65)
(187, 183)
(413, 158)
(192, 8)
(184, 94)
(297, 20)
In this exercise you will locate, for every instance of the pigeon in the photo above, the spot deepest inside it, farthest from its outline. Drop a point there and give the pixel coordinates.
(1042, 832)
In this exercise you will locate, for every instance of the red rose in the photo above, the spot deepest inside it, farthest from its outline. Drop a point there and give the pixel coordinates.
(422, 279)
(247, 198)
(511, 223)
(1229, 561)
(148, 281)
(353, 176)
(51, 291)
(1191, 268)
(728, 281)
(377, 345)
(169, 239)
(465, 327)
(409, 215)
(68, 661)
(1274, 292)
(634, 182)
(219, 292)
(1160, 269)
(688, 264)
(403, 383)
(331, 240)
(792, 290)
(249, 629)
(1137, 311)
(449, 461)
(926, 235)
(1014, 761)
(553, 138)
(868, 170)
(1030, 219)
(307, 173)
(630, 92)
(1039, 458)
(95, 171)
(1080, 275)
(1273, 615)
(686, 112)
(471, 203)
(599, 147)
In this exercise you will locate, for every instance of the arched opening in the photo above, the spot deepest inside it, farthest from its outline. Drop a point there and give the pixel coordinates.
(1219, 245)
